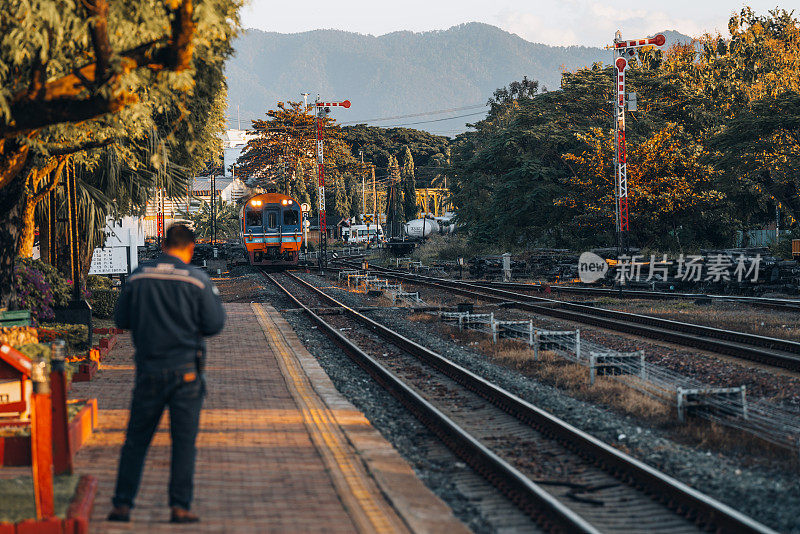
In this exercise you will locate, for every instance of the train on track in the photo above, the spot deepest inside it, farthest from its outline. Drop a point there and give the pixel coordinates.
(270, 229)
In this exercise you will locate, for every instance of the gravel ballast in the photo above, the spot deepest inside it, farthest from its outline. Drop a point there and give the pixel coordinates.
(770, 495)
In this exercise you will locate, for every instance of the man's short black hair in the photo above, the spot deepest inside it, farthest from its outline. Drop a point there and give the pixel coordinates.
(179, 236)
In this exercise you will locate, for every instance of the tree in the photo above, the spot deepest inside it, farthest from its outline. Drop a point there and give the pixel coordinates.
(394, 206)
(409, 186)
(671, 194)
(759, 150)
(380, 143)
(284, 153)
(226, 215)
(77, 77)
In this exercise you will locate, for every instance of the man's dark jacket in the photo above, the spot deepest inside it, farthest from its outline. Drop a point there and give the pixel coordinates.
(169, 306)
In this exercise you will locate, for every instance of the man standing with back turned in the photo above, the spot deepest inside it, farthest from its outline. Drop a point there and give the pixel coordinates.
(169, 306)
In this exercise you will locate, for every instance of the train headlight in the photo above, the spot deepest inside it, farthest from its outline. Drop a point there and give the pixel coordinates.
(283, 201)
(255, 203)
(290, 202)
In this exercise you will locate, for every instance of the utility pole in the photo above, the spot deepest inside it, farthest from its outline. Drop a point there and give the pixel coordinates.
(305, 101)
(622, 49)
(323, 108)
(213, 210)
(374, 195)
(363, 189)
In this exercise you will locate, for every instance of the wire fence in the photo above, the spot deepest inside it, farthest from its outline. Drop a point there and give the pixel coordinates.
(363, 279)
(728, 406)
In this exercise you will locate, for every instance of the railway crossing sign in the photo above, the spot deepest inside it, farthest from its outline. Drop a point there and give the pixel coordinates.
(368, 219)
(305, 207)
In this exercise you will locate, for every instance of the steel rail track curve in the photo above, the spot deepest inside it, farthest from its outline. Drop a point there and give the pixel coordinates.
(704, 510)
(762, 302)
(765, 350)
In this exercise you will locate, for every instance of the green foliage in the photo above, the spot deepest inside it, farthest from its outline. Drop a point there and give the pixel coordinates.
(283, 156)
(33, 293)
(95, 282)
(227, 217)
(61, 288)
(428, 151)
(75, 335)
(103, 302)
(409, 185)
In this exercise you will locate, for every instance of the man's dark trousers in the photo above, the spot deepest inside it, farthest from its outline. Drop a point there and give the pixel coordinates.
(182, 390)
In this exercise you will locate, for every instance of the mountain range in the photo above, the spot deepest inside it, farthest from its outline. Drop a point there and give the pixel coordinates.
(397, 74)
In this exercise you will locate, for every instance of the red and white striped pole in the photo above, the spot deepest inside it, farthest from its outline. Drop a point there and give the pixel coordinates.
(623, 48)
(322, 109)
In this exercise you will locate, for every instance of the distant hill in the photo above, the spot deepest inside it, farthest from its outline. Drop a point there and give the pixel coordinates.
(401, 73)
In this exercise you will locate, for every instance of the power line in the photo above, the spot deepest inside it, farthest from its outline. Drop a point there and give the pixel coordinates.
(436, 120)
(423, 114)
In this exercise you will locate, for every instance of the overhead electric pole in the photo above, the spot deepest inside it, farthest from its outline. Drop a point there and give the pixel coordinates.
(323, 108)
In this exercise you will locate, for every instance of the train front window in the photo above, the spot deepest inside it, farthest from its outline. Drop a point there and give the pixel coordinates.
(253, 218)
(290, 218)
(273, 220)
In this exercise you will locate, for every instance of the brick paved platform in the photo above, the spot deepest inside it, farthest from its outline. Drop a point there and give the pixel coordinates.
(279, 449)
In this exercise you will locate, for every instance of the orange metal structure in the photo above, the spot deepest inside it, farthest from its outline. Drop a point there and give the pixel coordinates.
(270, 229)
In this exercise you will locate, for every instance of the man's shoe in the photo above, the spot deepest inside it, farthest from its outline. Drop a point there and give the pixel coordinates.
(120, 513)
(179, 515)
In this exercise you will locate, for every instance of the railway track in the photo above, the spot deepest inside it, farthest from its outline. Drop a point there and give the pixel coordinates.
(790, 305)
(565, 479)
(761, 349)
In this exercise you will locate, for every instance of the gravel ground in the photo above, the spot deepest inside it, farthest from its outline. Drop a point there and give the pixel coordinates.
(779, 386)
(473, 501)
(729, 316)
(769, 494)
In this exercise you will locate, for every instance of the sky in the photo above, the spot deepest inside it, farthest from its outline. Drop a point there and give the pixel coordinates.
(553, 22)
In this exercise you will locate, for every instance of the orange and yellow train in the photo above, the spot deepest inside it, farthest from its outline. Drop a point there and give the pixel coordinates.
(270, 229)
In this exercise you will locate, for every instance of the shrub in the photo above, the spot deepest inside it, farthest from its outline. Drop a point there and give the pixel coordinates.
(103, 302)
(58, 284)
(94, 282)
(75, 335)
(33, 292)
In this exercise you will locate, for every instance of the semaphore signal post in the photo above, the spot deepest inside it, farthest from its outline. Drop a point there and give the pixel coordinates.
(322, 109)
(624, 49)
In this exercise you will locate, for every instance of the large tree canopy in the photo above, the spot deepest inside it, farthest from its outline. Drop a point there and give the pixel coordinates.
(82, 78)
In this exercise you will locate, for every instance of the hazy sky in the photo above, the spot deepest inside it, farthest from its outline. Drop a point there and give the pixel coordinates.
(563, 22)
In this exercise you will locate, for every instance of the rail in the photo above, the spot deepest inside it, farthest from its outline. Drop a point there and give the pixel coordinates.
(705, 510)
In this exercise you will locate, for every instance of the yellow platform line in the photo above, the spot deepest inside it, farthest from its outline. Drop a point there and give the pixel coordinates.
(362, 499)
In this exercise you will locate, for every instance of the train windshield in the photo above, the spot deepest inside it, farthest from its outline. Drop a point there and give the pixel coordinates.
(273, 220)
(290, 218)
(253, 218)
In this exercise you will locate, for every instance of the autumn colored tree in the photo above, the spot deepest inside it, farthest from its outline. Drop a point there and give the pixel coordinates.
(283, 154)
(671, 193)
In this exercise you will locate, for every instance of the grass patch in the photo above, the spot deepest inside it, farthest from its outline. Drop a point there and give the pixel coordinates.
(17, 501)
(422, 317)
(573, 379)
